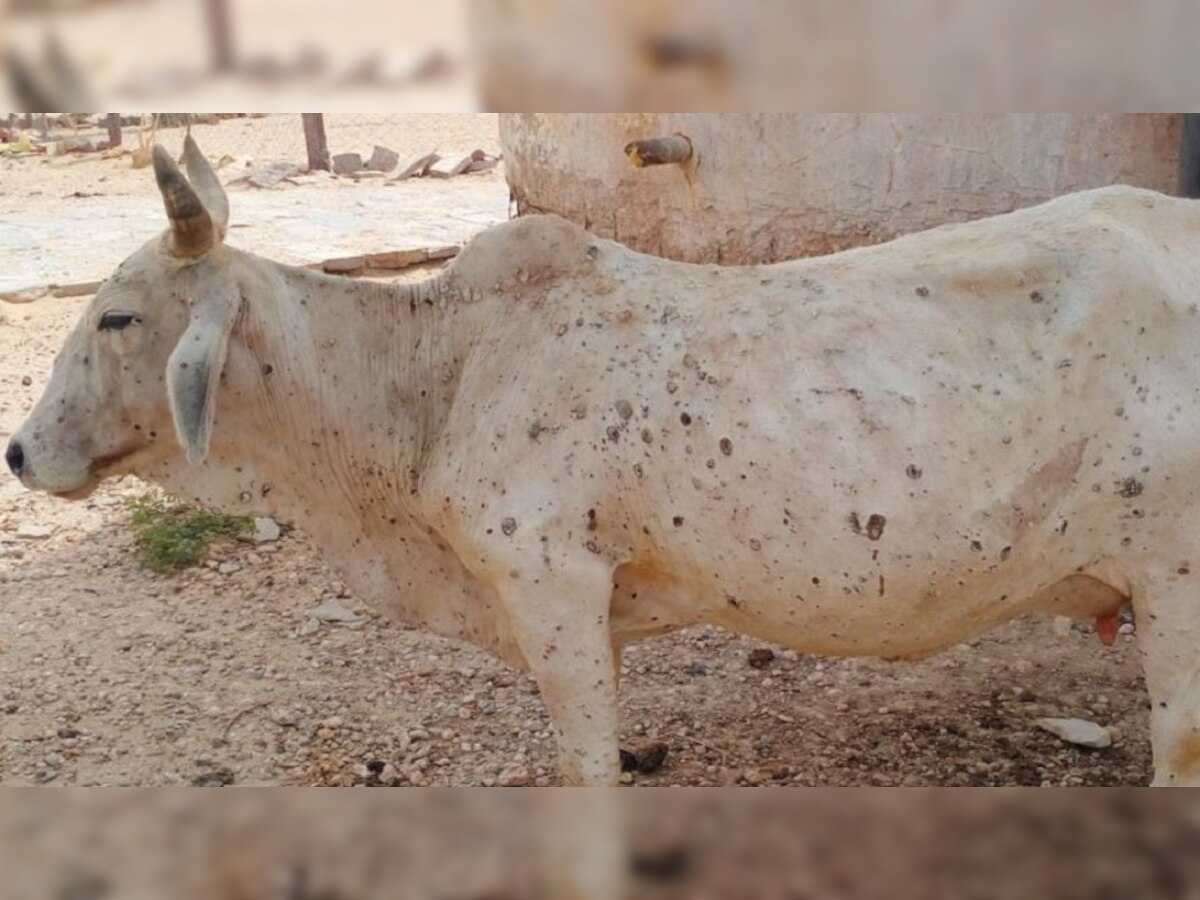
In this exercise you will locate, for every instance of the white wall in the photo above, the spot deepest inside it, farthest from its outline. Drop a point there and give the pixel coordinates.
(772, 186)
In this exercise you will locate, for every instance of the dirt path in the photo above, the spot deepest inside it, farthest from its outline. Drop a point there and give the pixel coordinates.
(72, 219)
(112, 675)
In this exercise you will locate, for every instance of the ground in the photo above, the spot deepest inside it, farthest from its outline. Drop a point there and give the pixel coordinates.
(71, 219)
(112, 675)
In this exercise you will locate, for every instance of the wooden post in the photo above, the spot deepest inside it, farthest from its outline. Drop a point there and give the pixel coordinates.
(1189, 155)
(314, 140)
(113, 122)
(220, 33)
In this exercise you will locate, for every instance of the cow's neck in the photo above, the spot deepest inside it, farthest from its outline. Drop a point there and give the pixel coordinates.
(332, 396)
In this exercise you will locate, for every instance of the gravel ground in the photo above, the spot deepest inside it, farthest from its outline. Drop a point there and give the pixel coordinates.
(52, 182)
(112, 675)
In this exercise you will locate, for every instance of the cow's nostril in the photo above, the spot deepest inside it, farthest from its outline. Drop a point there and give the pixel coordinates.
(15, 457)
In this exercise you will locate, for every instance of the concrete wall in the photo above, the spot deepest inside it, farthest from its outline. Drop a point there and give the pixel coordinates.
(764, 187)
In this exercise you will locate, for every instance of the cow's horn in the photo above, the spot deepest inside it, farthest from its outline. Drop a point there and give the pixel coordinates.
(206, 184)
(192, 231)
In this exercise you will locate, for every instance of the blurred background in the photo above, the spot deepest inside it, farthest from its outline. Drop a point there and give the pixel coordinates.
(571, 55)
(697, 845)
(234, 54)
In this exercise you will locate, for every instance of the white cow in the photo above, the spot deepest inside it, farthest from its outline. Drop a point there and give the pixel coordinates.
(559, 445)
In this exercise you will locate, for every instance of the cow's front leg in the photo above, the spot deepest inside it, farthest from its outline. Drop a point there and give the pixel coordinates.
(1167, 607)
(560, 621)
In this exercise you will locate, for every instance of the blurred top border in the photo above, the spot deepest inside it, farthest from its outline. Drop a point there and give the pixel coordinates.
(571, 55)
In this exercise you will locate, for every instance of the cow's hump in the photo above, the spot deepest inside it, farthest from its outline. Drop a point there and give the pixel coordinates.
(528, 250)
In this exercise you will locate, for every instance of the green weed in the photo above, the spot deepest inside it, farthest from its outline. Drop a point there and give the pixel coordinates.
(172, 535)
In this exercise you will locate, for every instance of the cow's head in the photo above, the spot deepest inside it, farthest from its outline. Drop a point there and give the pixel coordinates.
(145, 360)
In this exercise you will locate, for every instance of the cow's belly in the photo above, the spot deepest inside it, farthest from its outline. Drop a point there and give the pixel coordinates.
(857, 617)
(852, 559)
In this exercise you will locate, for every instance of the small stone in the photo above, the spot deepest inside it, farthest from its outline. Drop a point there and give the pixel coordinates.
(32, 532)
(514, 776)
(1078, 731)
(26, 381)
(334, 613)
(383, 159)
(229, 568)
(416, 166)
(698, 668)
(347, 163)
(450, 166)
(1126, 628)
(285, 718)
(1063, 626)
(265, 530)
(271, 174)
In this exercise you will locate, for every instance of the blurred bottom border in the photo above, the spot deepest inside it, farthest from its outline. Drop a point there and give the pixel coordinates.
(481, 844)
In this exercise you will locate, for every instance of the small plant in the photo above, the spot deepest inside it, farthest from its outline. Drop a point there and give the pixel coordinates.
(172, 535)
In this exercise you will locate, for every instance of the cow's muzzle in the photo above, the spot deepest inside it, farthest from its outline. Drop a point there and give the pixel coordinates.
(15, 457)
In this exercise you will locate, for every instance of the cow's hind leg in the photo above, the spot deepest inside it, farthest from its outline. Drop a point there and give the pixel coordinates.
(1167, 605)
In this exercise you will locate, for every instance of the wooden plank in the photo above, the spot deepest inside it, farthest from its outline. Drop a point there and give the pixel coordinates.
(81, 289)
(397, 259)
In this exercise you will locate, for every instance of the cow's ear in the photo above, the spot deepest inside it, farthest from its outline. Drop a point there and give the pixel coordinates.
(194, 368)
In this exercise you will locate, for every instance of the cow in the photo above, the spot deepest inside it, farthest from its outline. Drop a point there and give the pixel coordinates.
(557, 445)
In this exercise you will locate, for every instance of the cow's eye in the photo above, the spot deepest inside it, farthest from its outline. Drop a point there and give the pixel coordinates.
(117, 321)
